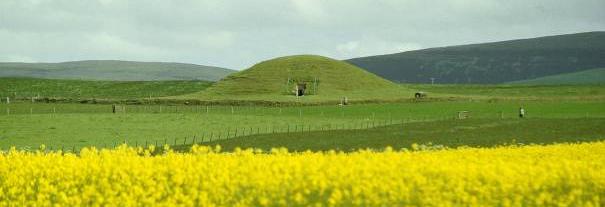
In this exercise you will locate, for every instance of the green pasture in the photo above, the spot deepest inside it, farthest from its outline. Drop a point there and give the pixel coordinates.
(519, 92)
(25, 88)
(77, 125)
(72, 125)
(435, 134)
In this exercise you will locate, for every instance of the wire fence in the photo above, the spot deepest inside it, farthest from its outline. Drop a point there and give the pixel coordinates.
(352, 118)
(231, 133)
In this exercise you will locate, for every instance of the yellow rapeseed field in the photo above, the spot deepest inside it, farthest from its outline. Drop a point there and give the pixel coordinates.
(554, 175)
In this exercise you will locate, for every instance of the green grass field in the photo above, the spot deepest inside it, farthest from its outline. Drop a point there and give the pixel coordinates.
(443, 133)
(577, 110)
(74, 89)
(59, 125)
(515, 92)
(25, 88)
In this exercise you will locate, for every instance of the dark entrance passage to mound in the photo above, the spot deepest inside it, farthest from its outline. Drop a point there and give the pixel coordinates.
(300, 89)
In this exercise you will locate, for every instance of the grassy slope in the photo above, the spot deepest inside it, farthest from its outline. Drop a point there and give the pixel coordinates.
(268, 81)
(594, 76)
(497, 62)
(471, 132)
(29, 87)
(114, 70)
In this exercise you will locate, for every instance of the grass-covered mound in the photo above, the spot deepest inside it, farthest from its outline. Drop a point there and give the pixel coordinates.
(325, 79)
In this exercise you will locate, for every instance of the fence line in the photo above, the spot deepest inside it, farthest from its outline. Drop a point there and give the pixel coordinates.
(226, 134)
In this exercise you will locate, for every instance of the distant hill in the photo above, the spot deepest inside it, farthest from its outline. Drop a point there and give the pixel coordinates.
(497, 62)
(114, 70)
(594, 76)
(324, 79)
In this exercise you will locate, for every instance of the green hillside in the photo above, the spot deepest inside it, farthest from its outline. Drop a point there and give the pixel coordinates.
(324, 78)
(74, 89)
(594, 76)
(114, 70)
(497, 62)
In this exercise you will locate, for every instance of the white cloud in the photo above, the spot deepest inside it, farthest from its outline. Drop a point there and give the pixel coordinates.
(106, 43)
(16, 58)
(372, 46)
(348, 47)
(221, 39)
(311, 11)
(237, 34)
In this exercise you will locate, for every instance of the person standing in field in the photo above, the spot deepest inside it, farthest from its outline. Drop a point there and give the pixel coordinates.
(521, 112)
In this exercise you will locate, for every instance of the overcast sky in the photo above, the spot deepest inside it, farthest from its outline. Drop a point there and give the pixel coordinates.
(238, 33)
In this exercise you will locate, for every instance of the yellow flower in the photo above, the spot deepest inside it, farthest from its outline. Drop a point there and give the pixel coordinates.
(531, 175)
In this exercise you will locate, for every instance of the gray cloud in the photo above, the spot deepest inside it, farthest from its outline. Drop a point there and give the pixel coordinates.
(237, 34)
